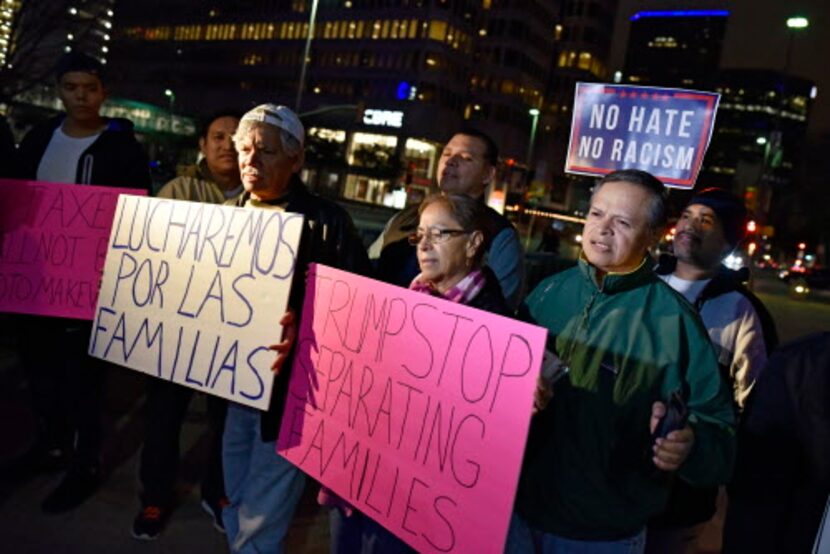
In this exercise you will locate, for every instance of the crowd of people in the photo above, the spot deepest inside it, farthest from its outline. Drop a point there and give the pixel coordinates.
(601, 472)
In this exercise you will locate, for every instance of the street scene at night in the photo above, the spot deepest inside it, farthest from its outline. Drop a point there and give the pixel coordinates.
(363, 276)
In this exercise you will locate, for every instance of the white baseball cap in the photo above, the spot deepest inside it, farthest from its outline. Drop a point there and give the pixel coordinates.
(279, 117)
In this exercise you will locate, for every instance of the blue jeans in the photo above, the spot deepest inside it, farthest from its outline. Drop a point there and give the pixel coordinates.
(523, 539)
(263, 488)
(360, 534)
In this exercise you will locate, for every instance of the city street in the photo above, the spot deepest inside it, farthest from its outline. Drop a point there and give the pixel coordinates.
(103, 523)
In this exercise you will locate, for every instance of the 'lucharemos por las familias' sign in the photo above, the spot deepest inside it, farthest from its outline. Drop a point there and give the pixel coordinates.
(193, 293)
(659, 130)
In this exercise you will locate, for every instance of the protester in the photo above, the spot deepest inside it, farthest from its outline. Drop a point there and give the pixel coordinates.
(449, 239)
(467, 166)
(264, 488)
(782, 475)
(82, 147)
(214, 179)
(593, 475)
(741, 329)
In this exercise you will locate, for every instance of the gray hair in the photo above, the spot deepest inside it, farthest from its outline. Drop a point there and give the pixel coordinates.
(290, 145)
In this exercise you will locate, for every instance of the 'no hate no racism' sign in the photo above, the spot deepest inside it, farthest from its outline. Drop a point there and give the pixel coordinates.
(413, 409)
(53, 241)
(193, 293)
(659, 130)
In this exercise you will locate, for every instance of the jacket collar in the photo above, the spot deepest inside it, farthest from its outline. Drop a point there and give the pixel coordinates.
(618, 282)
(297, 191)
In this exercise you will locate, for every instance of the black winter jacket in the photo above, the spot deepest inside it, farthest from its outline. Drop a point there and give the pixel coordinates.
(115, 159)
(490, 298)
(329, 237)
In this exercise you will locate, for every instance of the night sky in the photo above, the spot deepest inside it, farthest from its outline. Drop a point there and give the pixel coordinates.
(757, 37)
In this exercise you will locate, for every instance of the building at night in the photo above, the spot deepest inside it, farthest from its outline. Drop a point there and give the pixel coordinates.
(35, 34)
(675, 48)
(387, 81)
(761, 125)
(759, 137)
(584, 32)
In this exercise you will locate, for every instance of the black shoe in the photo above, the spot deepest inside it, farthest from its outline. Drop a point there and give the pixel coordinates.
(77, 486)
(149, 522)
(214, 509)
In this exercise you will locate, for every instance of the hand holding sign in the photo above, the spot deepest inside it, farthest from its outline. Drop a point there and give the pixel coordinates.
(289, 334)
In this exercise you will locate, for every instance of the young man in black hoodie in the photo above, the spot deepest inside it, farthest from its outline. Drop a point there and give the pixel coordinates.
(81, 147)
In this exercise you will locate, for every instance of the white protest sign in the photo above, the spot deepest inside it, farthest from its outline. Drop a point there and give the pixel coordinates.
(193, 293)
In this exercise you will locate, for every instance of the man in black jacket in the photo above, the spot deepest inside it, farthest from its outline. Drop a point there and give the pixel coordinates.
(262, 487)
(80, 147)
(741, 330)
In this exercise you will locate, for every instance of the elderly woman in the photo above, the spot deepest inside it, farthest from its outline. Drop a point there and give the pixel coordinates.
(450, 244)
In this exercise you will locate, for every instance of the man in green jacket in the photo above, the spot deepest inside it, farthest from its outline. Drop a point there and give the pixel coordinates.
(593, 475)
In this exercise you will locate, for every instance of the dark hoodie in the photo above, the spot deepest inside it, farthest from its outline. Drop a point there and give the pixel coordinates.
(115, 159)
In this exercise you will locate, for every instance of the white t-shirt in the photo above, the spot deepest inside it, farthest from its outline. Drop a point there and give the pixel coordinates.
(59, 163)
(735, 330)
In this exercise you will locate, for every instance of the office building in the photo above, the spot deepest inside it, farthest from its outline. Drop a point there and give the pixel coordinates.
(386, 81)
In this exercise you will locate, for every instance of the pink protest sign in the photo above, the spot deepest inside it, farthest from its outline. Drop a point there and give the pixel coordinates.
(53, 242)
(413, 409)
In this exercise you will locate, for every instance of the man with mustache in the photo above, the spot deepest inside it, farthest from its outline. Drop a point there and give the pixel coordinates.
(467, 166)
(263, 488)
(741, 329)
(593, 473)
(214, 179)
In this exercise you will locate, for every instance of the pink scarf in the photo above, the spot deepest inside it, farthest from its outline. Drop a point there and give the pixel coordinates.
(463, 291)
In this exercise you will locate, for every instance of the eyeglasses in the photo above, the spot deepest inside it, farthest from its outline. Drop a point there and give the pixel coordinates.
(435, 236)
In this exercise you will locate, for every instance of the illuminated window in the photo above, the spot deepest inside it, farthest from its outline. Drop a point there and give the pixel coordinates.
(584, 61)
(413, 28)
(384, 33)
(376, 29)
(437, 30)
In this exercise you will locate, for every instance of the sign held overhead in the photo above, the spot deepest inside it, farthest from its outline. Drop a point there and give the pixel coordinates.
(659, 130)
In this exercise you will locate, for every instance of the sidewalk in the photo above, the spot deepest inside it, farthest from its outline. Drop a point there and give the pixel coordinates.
(103, 523)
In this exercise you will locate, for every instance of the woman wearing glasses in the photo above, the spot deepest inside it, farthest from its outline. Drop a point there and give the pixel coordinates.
(450, 244)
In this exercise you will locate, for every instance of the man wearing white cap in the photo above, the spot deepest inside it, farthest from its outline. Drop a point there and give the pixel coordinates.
(263, 488)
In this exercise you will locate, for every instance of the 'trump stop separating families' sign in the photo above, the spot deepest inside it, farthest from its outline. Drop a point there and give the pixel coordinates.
(413, 409)
(53, 240)
(662, 131)
(193, 293)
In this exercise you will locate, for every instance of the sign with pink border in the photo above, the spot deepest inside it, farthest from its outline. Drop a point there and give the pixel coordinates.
(413, 409)
(53, 242)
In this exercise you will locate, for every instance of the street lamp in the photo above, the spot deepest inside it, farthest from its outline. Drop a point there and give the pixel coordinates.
(793, 24)
(312, 17)
(171, 96)
(534, 113)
